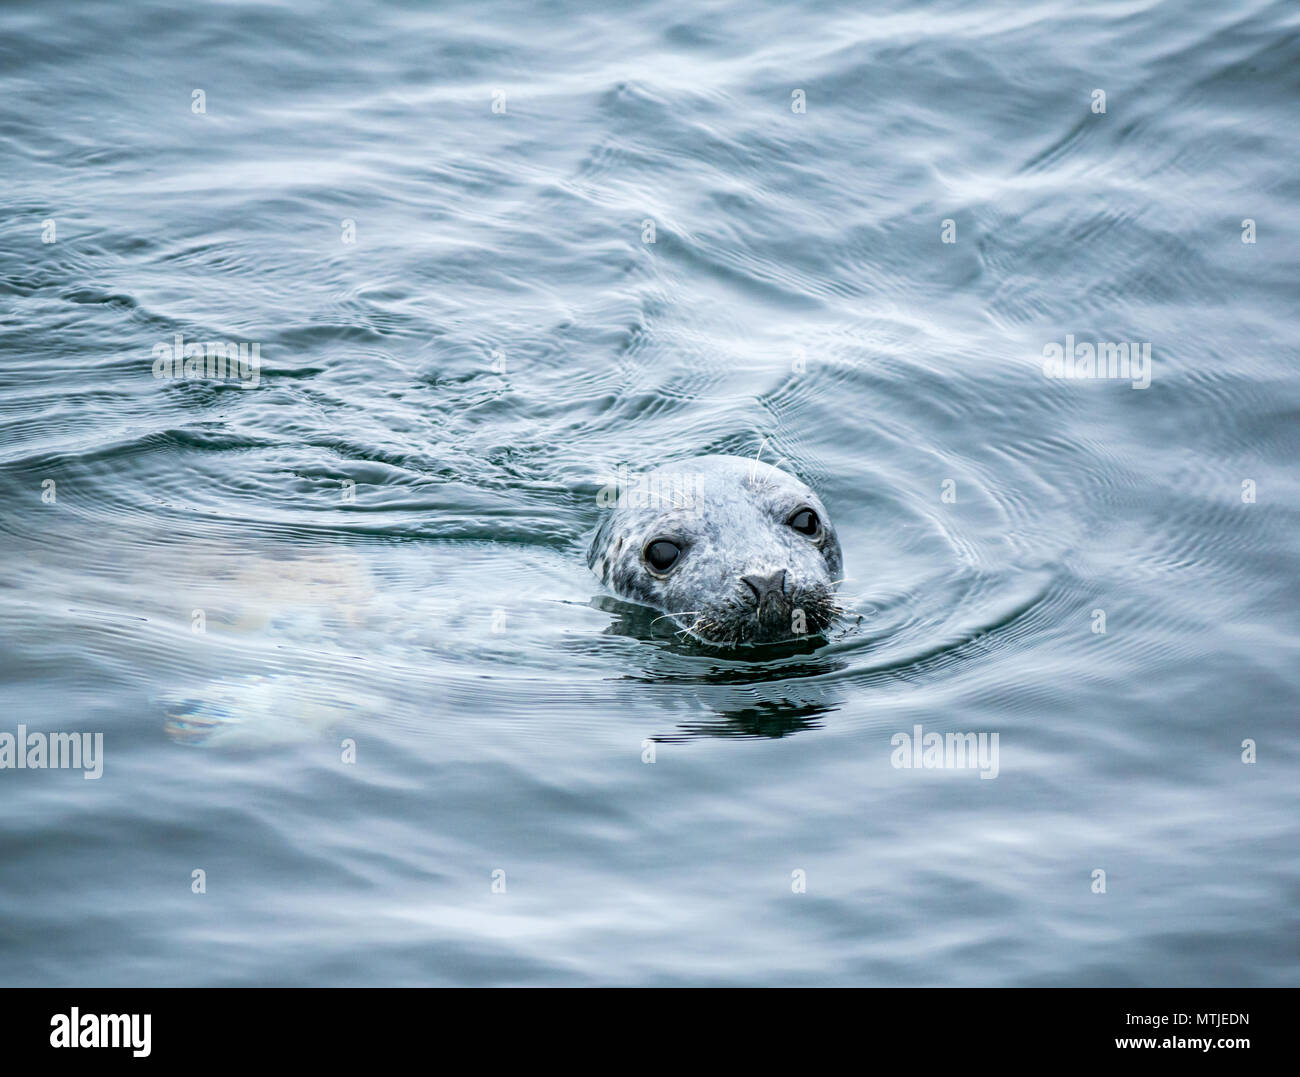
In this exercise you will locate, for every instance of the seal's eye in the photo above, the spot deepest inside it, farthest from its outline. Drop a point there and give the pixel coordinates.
(661, 554)
(805, 522)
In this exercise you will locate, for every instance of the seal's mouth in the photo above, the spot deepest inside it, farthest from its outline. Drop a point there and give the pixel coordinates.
(775, 618)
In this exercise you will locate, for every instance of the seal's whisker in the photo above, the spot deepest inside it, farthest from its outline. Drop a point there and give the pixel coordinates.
(753, 468)
(679, 613)
(701, 626)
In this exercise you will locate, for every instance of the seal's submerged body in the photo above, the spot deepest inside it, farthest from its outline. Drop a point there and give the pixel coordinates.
(734, 551)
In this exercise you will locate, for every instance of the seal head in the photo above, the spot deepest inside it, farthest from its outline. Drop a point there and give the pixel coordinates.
(734, 551)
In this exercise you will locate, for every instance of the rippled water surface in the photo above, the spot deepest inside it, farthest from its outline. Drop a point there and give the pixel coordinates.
(488, 254)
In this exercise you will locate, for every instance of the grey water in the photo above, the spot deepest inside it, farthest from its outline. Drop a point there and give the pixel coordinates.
(366, 716)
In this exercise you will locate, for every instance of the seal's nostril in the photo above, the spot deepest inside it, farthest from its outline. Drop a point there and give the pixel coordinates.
(762, 586)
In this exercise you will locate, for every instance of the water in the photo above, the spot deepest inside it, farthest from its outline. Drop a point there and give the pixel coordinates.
(383, 540)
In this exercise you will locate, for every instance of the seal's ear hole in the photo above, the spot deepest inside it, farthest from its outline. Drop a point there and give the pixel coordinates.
(661, 554)
(806, 522)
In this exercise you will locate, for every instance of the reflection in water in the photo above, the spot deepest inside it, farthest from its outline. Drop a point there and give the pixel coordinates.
(780, 690)
(769, 718)
(771, 691)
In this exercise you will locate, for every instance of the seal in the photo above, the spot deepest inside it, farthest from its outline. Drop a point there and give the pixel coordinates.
(735, 552)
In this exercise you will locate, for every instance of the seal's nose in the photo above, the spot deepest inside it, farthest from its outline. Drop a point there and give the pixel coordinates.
(762, 586)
